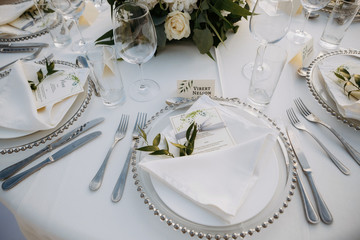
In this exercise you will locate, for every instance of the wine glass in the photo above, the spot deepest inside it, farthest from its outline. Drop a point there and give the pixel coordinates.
(72, 10)
(136, 42)
(269, 23)
(299, 36)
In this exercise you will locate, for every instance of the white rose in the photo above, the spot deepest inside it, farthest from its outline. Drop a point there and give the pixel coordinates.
(182, 5)
(177, 25)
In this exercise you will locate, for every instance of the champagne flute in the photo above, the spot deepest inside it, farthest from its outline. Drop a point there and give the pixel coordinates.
(299, 36)
(72, 10)
(136, 42)
(269, 23)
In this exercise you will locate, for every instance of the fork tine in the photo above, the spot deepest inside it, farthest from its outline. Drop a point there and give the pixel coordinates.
(121, 123)
(126, 122)
(137, 122)
(302, 108)
(290, 113)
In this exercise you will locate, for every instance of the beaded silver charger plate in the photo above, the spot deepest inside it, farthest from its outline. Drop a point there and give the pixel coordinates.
(262, 206)
(22, 141)
(317, 86)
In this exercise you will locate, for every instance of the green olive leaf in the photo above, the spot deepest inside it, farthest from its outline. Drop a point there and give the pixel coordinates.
(156, 140)
(148, 148)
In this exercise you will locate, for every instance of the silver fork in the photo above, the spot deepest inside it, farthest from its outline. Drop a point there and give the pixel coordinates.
(28, 58)
(120, 134)
(120, 184)
(313, 118)
(297, 124)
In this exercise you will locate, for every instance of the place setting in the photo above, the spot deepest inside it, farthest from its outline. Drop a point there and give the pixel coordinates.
(202, 164)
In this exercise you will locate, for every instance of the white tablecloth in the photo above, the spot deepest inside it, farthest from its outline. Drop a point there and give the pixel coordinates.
(56, 203)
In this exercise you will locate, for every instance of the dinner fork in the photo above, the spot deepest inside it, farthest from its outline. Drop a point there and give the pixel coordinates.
(297, 124)
(120, 183)
(313, 118)
(28, 58)
(120, 134)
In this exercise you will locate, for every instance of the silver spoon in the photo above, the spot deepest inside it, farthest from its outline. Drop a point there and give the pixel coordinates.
(302, 71)
(314, 15)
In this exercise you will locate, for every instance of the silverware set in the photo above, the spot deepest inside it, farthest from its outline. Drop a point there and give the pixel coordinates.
(96, 182)
(8, 174)
(310, 212)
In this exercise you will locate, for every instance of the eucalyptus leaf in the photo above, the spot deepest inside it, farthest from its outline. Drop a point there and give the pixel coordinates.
(156, 140)
(178, 145)
(108, 34)
(203, 40)
(340, 76)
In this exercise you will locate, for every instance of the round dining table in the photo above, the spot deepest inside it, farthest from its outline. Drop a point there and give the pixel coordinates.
(56, 203)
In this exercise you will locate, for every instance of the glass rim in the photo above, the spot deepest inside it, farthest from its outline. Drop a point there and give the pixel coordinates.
(143, 6)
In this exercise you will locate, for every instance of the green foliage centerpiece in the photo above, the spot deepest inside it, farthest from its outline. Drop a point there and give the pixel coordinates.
(205, 22)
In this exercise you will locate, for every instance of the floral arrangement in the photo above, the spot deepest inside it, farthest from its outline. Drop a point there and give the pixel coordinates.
(205, 22)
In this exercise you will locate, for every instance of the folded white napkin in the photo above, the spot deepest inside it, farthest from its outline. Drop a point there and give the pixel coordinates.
(18, 102)
(10, 12)
(347, 107)
(218, 181)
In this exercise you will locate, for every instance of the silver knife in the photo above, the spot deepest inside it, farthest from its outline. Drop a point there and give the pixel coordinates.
(23, 45)
(12, 169)
(13, 181)
(324, 212)
(82, 61)
(310, 213)
(17, 50)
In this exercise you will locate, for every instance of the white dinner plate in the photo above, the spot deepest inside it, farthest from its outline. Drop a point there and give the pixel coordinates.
(266, 201)
(317, 86)
(14, 140)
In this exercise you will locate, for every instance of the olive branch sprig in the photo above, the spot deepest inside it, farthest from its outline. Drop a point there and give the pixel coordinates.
(50, 68)
(348, 80)
(185, 149)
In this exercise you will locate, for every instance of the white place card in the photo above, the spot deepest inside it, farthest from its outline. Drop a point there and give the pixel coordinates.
(213, 133)
(195, 88)
(56, 88)
(305, 55)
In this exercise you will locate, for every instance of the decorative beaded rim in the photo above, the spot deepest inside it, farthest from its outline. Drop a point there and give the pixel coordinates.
(30, 35)
(217, 232)
(309, 79)
(62, 128)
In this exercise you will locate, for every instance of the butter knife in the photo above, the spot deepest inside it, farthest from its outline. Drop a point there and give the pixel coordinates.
(17, 50)
(12, 169)
(23, 45)
(13, 181)
(324, 212)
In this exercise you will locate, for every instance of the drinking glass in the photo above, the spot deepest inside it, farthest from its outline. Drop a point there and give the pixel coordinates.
(135, 41)
(72, 10)
(300, 36)
(269, 23)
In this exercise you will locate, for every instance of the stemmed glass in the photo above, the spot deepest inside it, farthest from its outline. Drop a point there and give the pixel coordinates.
(299, 36)
(136, 42)
(269, 23)
(72, 10)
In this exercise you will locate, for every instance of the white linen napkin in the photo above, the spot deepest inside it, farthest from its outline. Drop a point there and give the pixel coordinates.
(349, 108)
(218, 181)
(18, 104)
(10, 12)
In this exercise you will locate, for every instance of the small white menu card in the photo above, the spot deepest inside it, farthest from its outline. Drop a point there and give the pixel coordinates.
(213, 133)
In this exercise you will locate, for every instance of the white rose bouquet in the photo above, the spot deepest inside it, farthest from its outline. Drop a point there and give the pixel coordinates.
(205, 22)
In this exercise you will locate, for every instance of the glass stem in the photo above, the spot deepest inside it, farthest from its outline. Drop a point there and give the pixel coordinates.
(260, 59)
(81, 41)
(142, 85)
(306, 14)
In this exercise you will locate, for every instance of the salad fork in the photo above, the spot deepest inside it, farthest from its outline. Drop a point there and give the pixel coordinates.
(120, 134)
(120, 184)
(313, 118)
(297, 124)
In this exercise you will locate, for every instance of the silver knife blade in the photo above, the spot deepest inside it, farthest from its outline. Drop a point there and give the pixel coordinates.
(17, 50)
(13, 181)
(324, 212)
(12, 169)
(299, 153)
(22, 45)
